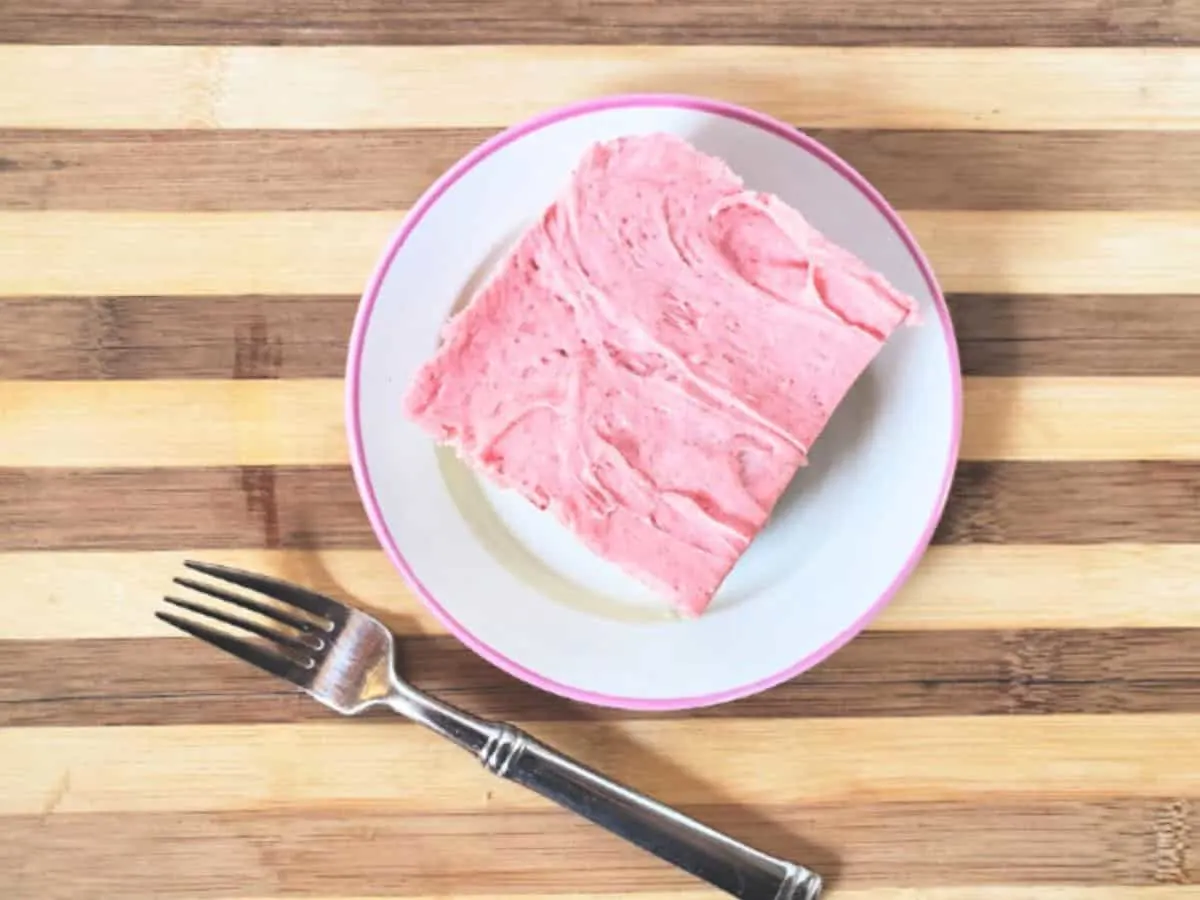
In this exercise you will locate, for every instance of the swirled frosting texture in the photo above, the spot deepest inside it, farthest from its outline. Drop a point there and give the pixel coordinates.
(654, 359)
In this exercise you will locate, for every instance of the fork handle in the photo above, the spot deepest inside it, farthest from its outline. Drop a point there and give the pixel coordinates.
(678, 839)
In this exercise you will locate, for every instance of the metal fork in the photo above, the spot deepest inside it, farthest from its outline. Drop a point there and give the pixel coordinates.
(346, 659)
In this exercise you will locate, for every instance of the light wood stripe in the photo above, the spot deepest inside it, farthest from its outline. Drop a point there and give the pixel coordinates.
(438, 87)
(106, 595)
(73, 596)
(321, 851)
(1146, 502)
(996, 586)
(90, 253)
(224, 768)
(117, 423)
(1061, 252)
(881, 674)
(388, 169)
(1037, 22)
(300, 422)
(1081, 418)
(297, 336)
(190, 253)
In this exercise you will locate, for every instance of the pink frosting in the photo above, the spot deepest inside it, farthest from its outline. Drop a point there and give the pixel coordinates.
(654, 359)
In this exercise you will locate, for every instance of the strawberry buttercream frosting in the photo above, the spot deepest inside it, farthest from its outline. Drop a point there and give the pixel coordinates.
(653, 360)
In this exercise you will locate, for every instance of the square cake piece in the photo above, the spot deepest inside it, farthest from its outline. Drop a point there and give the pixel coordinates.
(654, 359)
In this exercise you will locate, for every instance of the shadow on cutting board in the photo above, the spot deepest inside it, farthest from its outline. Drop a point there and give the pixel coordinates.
(454, 674)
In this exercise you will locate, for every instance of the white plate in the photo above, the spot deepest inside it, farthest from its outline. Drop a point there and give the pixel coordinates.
(518, 588)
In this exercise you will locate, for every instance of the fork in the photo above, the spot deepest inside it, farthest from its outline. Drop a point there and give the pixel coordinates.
(346, 659)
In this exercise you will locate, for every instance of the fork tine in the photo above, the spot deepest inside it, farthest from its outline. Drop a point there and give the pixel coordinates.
(309, 601)
(262, 609)
(269, 662)
(239, 622)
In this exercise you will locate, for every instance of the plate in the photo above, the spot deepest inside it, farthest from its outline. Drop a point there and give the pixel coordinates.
(519, 589)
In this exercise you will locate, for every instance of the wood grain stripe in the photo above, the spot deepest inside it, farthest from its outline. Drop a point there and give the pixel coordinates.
(249, 336)
(438, 87)
(136, 681)
(1111, 844)
(83, 253)
(256, 422)
(1080, 418)
(297, 336)
(116, 423)
(48, 509)
(228, 170)
(95, 594)
(1031, 22)
(1073, 503)
(102, 595)
(1060, 252)
(190, 253)
(371, 170)
(317, 507)
(261, 767)
(1075, 335)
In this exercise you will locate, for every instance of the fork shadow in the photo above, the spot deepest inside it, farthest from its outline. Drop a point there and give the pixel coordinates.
(605, 745)
(779, 832)
(445, 668)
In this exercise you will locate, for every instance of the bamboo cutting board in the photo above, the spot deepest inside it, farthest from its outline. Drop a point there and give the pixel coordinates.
(191, 196)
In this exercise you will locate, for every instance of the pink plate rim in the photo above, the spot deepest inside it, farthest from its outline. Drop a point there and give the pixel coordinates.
(425, 203)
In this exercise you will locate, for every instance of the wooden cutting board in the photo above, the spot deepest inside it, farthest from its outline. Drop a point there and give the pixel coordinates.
(191, 196)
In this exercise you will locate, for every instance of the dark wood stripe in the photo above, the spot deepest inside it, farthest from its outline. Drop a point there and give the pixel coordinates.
(305, 337)
(142, 509)
(967, 22)
(1073, 503)
(224, 170)
(1078, 335)
(1025, 170)
(327, 852)
(367, 170)
(174, 337)
(136, 681)
(165, 508)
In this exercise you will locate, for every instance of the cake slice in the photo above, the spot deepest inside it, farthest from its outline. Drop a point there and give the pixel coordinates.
(654, 359)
